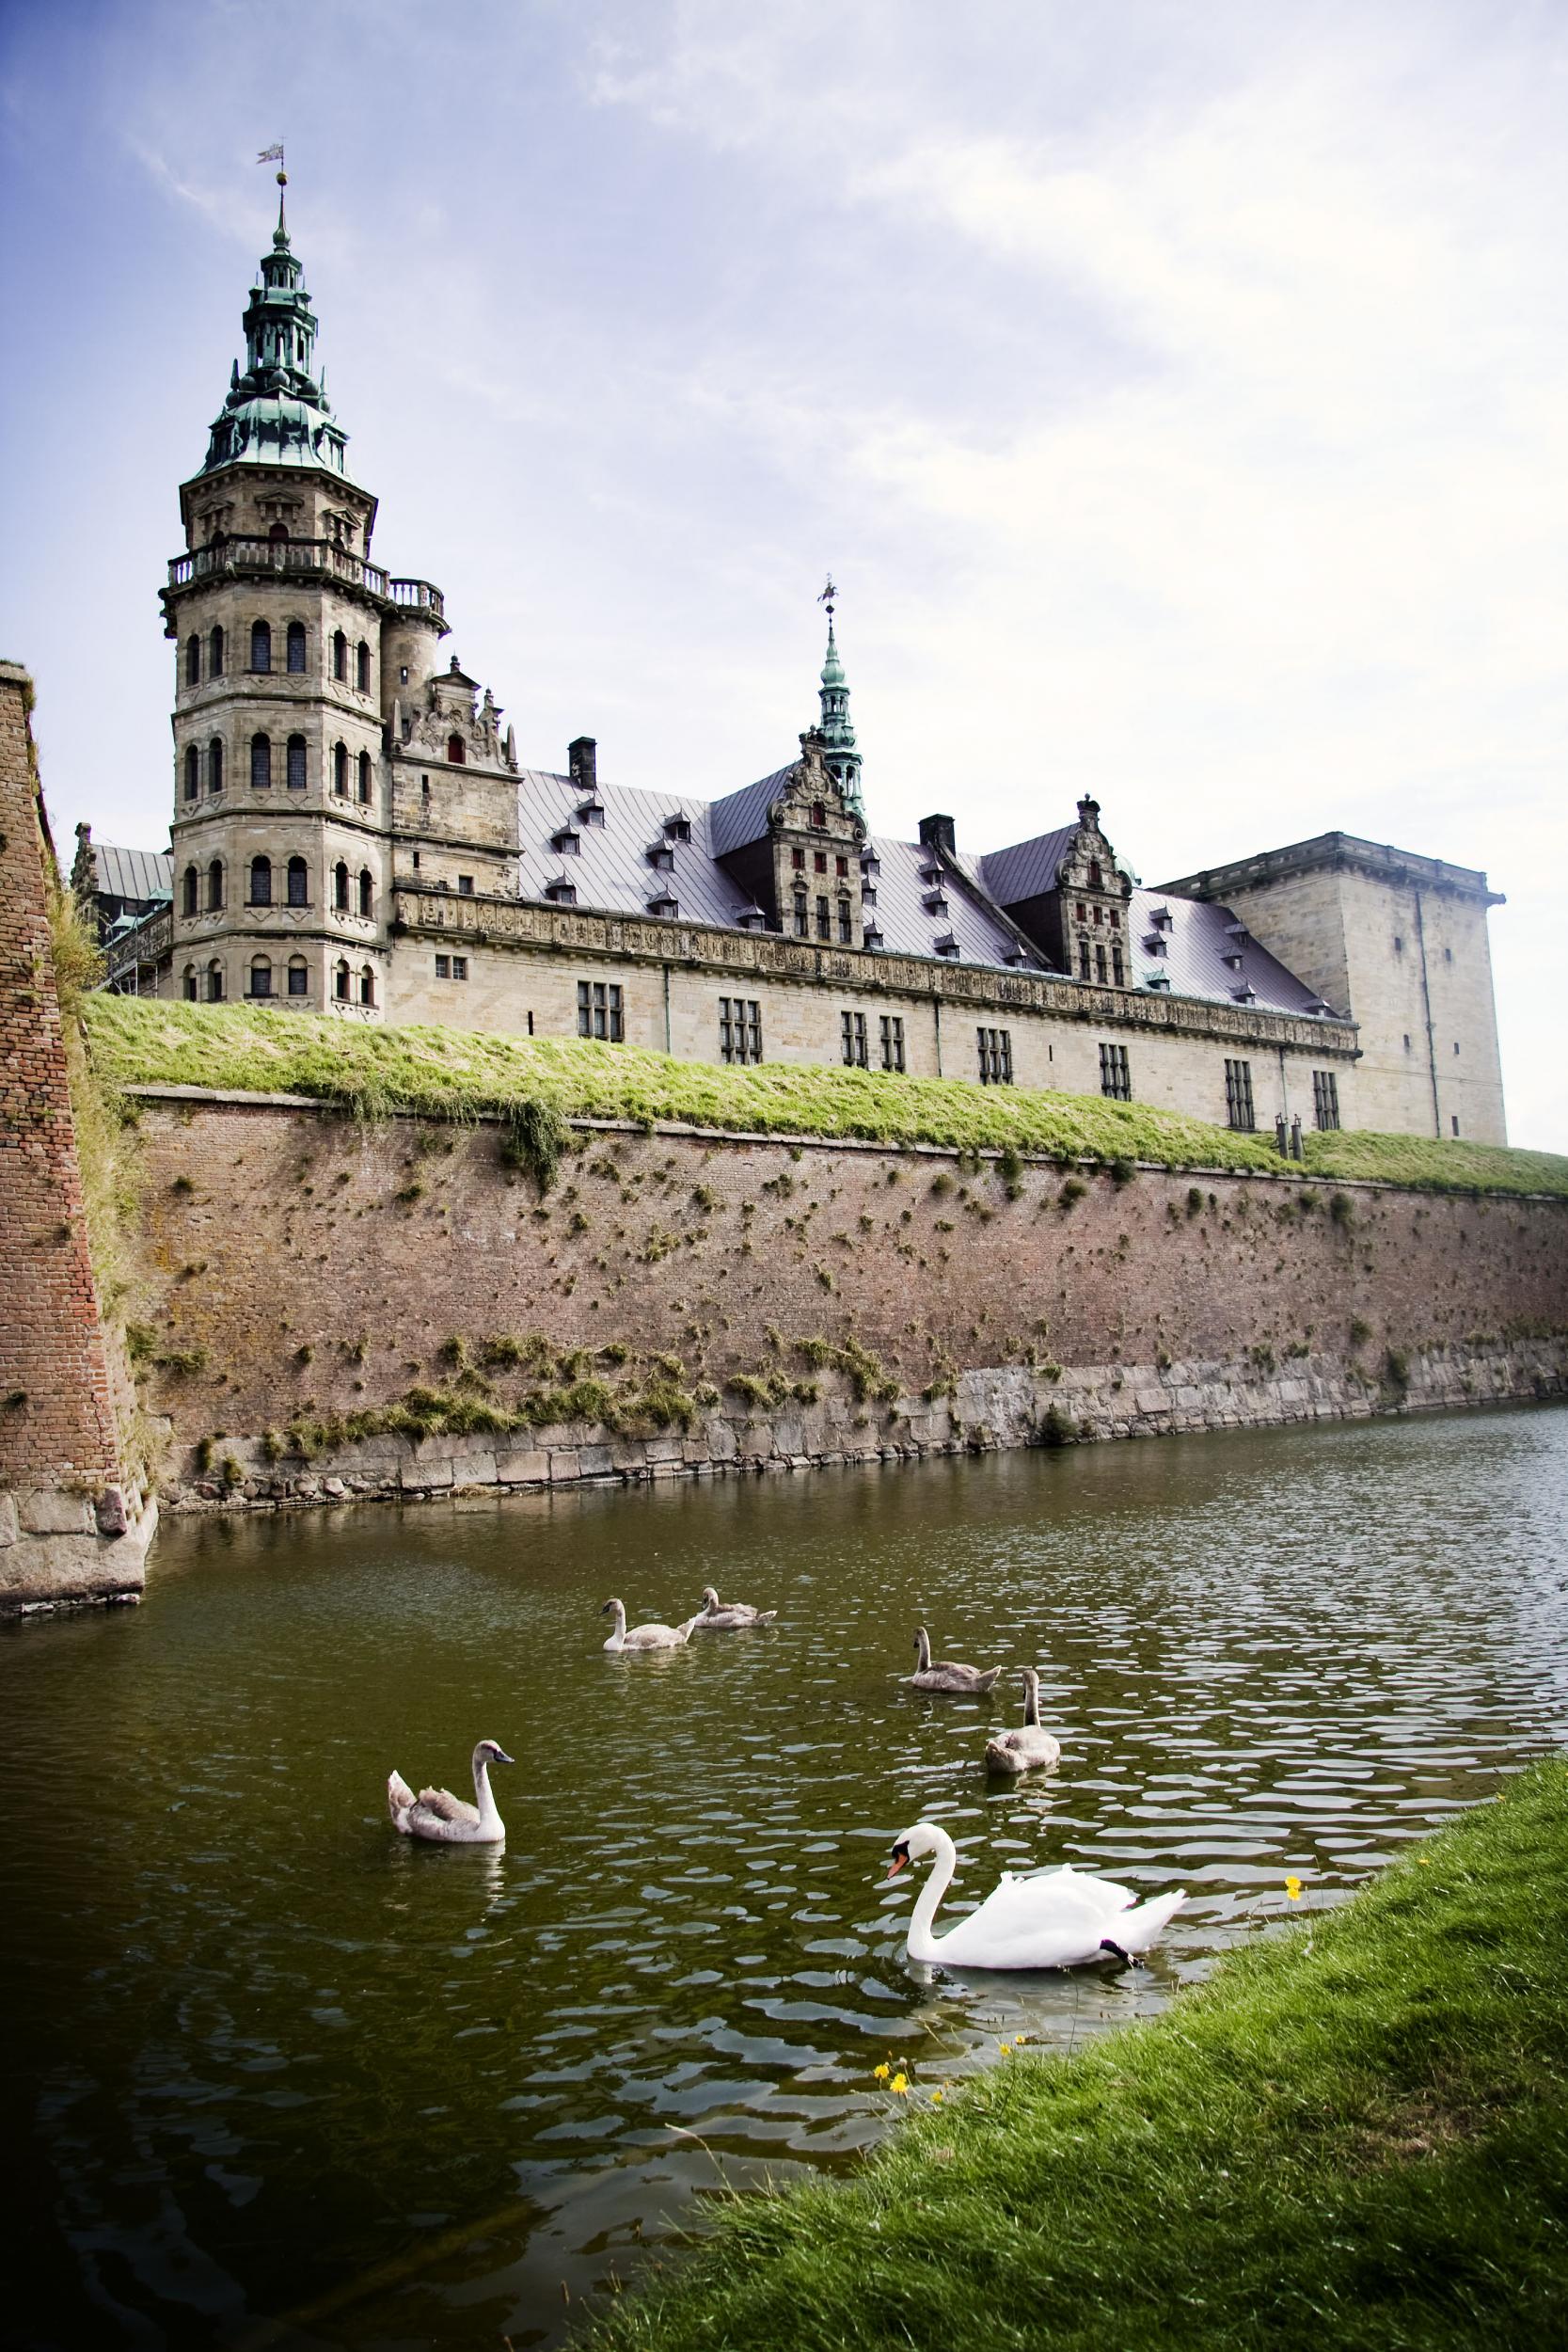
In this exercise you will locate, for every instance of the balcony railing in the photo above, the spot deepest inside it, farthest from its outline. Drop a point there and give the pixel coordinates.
(301, 559)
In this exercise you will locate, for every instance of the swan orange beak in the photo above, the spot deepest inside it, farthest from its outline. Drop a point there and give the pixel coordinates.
(900, 1856)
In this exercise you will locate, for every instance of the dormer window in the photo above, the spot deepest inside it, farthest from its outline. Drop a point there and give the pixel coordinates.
(660, 856)
(868, 894)
(1245, 995)
(1233, 957)
(872, 936)
(560, 892)
(1154, 944)
(591, 813)
(1015, 959)
(664, 906)
(1158, 980)
(677, 828)
(1239, 932)
(1161, 918)
(567, 842)
(948, 944)
(751, 918)
(935, 902)
(871, 865)
(931, 877)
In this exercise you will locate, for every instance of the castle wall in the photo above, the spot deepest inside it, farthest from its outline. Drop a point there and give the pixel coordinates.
(72, 1525)
(299, 1266)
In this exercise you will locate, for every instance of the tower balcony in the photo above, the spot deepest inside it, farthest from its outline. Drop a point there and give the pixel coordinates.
(242, 558)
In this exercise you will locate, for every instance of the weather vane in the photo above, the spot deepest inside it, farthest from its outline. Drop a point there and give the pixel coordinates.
(275, 155)
(828, 597)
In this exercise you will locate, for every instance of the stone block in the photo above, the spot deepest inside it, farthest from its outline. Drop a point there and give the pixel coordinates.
(8, 1522)
(475, 1469)
(423, 1478)
(112, 1512)
(595, 1461)
(564, 1465)
(51, 1511)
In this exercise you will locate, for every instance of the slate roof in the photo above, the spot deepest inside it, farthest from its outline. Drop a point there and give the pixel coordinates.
(910, 927)
(138, 875)
(1199, 938)
(742, 816)
(611, 869)
(1027, 869)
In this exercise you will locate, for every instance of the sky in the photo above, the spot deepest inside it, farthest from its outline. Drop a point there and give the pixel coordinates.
(1177, 394)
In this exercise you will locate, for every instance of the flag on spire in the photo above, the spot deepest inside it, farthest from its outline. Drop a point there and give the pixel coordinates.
(270, 154)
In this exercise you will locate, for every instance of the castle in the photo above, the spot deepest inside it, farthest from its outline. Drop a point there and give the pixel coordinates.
(354, 835)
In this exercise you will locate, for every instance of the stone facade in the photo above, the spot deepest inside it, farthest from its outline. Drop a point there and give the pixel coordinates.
(74, 1523)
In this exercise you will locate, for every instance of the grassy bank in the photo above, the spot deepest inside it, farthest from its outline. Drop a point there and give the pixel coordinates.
(460, 1073)
(1356, 2134)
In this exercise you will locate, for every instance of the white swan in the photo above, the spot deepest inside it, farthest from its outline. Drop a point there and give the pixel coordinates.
(729, 1616)
(1023, 1750)
(437, 1813)
(644, 1636)
(962, 1681)
(1055, 1919)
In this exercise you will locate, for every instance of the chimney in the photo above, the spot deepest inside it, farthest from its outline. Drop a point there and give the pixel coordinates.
(936, 832)
(582, 764)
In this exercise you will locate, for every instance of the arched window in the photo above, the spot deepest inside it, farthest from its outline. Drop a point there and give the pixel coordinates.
(260, 762)
(340, 887)
(278, 534)
(193, 772)
(363, 661)
(188, 984)
(367, 985)
(214, 654)
(260, 977)
(261, 645)
(191, 902)
(215, 888)
(818, 815)
(214, 765)
(193, 662)
(296, 763)
(365, 778)
(299, 882)
(299, 978)
(215, 983)
(340, 984)
(340, 655)
(260, 881)
(367, 891)
(339, 770)
(296, 647)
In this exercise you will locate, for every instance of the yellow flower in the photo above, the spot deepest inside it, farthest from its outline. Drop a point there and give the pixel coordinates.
(936, 2098)
(881, 2073)
(1292, 1888)
(899, 2083)
(1006, 2048)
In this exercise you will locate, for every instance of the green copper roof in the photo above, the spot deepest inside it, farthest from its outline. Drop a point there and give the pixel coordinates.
(277, 413)
(843, 759)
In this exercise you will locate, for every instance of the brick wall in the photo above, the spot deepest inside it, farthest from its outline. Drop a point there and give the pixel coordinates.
(70, 1524)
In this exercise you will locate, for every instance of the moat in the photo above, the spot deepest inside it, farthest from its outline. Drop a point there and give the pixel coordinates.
(278, 2078)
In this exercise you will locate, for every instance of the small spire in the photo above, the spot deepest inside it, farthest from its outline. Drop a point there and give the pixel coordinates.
(280, 234)
(838, 733)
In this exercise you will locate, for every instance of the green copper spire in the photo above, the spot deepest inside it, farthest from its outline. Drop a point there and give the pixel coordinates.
(277, 413)
(843, 760)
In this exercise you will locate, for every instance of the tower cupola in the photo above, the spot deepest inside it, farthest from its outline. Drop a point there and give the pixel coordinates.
(276, 412)
(840, 758)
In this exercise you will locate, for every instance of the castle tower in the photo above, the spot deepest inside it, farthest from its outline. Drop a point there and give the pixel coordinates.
(836, 728)
(283, 627)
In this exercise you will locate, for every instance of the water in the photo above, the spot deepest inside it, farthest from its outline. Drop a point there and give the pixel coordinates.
(281, 2078)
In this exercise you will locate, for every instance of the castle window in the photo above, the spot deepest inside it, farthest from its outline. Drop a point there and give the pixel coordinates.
(1100, 971)
(891, 1026)
(190, 904)
(567, 842)
(294, 765)
(818, 817)
(1095, 880)
(214, 887)
(278, 534)
(339, 770)
(1083, 915)
(465, 885)
(460, 972)
(947, 944)
(871, 937)
(214, 765)
(591, 813)
(798, 859)
(996, 1056)
(215, 983)
(824, 925)
(1083, 958)
(845, 925)
(1456, 1045)
(339, 655)
(600, 1011)
(367, 985)
(259, 981)
(802, 920)
(362, 666)
(260, 762)
(1448, 955)
(299, 882)
(364, 779)
(1326, 1099)
(367, 892)
(339, 888)
(1399, 945)
(1100, 914)
(856, 1054)
(193, 662)
(739, 1029)
(443, 967)
(299, 978)
(1238, 1094)
(1118, 970)
(1115, 1080)
(261, 645)
(456, 755)
(661, 858)
(841, 867)
(260, 881)
(193, 773)
(1407, 1041)
(560, 893)
(340, 984)
(665, 906)
(295, 648)
(214, 653)
(819, 861)
(1453, 1123)
(1116, 920)
(188, 984)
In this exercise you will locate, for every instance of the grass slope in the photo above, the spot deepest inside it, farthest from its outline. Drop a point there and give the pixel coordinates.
(1356, 2134)
(460, 1073)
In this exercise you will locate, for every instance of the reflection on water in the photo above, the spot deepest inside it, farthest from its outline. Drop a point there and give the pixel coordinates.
(292, 2081)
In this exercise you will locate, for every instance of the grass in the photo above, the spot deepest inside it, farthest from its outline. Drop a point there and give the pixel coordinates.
(1356, 2134)
(531, 1082)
